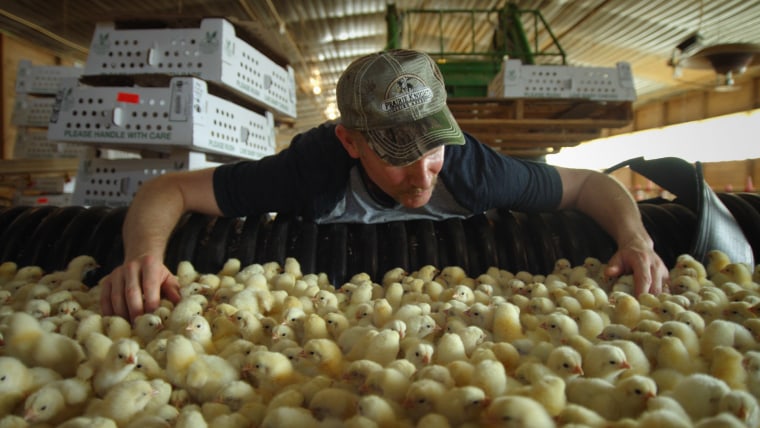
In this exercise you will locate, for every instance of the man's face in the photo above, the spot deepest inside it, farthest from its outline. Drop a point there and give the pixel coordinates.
(410, 185)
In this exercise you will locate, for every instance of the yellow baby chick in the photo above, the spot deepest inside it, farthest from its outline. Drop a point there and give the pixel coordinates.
(88, 422)
(452, 276)
(17, 381)
(560, 327)
(116, 327)
(325, 301)
(741, 404)
(449, 348)
(123, 402)
(716, 260)
(683, 332)
(38, 308)
(751, 363)
(383, 347)
(491, 377)
(577, 415)
(682, 284)
(605, 361)
(377, 409)
(626, 309)
(549, 391)
(118, 363)
(76, 269)
(324, 355)
(626, 398)
(506, 323)
(687, 265)
(7, 271)
(26, 340)
(206, 374)
(737, 273)
(182, 313)
(356, 372)
(634, 354)
(672, 354)
(271, 370)
(186, 273)
(290, 416)
(333, 403)
(422, 397)
(387, 382)
(249, 326)
(514, 411)
(699, 394)
(727, 366)
(57, 401)
(565, 362)
(720, 332)
(198, 330)
(418, 352)
(237, 393)
(462, 404)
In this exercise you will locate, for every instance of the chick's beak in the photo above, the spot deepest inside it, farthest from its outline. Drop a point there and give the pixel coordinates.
(30, 415)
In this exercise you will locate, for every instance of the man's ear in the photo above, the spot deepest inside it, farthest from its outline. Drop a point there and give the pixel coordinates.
(346, 138)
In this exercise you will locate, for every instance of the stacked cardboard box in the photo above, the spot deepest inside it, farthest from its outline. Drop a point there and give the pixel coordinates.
(186, 95)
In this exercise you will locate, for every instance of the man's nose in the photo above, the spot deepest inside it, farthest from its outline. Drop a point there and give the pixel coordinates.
(420, 174)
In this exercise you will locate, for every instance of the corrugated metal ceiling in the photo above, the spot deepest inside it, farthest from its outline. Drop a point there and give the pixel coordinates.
(320, 37)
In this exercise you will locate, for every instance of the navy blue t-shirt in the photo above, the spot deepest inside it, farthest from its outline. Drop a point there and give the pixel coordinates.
(316, 179)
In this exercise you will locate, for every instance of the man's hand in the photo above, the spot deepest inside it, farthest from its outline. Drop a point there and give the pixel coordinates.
(650, 274)
(136, 287)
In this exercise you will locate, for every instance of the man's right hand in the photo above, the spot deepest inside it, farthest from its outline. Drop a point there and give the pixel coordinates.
(136, 287)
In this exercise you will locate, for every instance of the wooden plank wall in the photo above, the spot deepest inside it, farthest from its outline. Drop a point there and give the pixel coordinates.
(696, 105)
(12, 50)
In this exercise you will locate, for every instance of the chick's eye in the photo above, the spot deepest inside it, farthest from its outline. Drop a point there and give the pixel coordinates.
(637, 391)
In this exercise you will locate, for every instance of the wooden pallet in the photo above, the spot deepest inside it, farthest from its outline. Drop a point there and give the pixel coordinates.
(536, 127)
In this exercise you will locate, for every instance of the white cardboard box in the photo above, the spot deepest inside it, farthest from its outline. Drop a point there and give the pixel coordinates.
(58, 200)
(30, 110)
(517, 80)
(32, 143)
(181, 115)
(114, 182)
(43, 79)
(211, 51)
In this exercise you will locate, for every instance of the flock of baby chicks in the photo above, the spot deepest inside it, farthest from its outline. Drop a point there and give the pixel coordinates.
(265, 345)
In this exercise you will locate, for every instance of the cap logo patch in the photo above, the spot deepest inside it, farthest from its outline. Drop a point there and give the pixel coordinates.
(405, 92)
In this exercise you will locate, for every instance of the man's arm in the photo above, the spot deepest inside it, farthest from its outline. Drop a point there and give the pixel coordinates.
(606, 201)
(136, 286)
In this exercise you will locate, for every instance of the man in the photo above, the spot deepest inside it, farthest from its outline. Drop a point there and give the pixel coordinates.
(396, 154)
